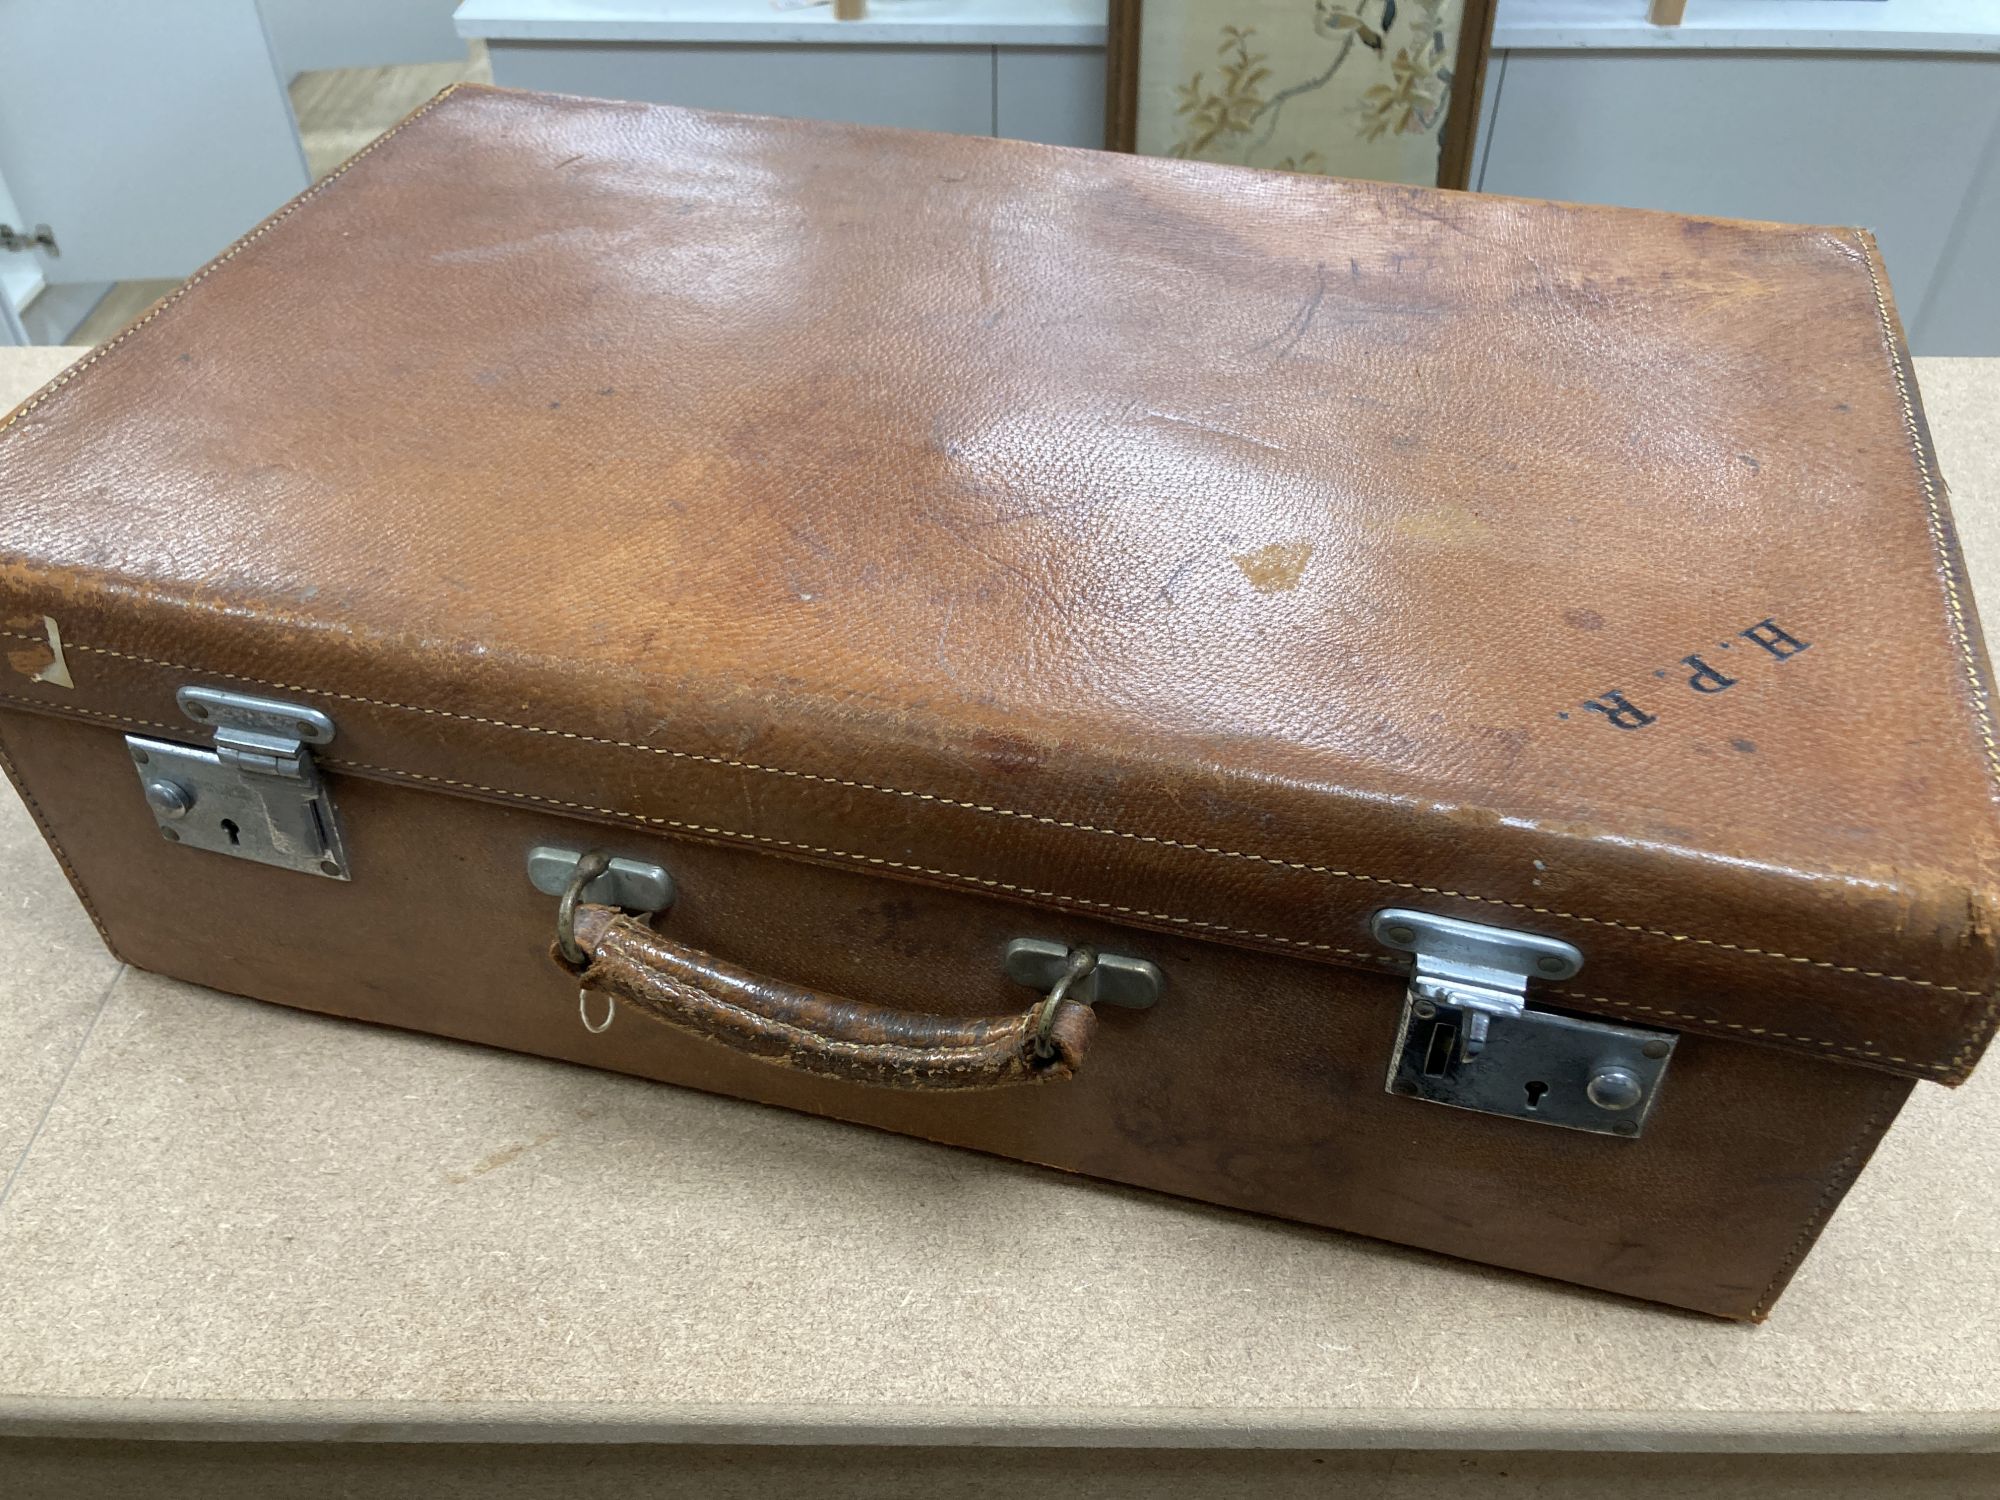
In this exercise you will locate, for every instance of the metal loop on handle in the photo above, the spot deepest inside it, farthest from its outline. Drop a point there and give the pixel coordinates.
(583, 1012)
(1081, 961)
(588, 868)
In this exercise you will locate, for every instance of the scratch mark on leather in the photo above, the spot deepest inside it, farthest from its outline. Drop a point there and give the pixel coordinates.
(1216, 429)
(1275, 569)
(1287, 338)
(944, 639)
(1414, 205)
(1058, 603)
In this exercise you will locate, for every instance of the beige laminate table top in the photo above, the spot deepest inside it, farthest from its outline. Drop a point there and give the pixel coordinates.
(227, 1219)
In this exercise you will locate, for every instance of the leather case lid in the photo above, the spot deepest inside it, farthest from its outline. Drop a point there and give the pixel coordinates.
(1231, 553)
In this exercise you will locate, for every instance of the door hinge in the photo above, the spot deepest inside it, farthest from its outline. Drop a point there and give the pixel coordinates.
(256, 795)
(1469, 1038)
(41, 237)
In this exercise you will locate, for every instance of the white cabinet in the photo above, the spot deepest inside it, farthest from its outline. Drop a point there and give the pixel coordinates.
(1054, 95)
(1030, 69)
(923, 88)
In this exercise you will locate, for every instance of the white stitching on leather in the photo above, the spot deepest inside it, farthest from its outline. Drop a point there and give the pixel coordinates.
(1863, 1049)
(824, 851)
(1955, 606)
(876, 860)
(1960, 631)
(1030, 817)
(1934, 517)
(77, 369)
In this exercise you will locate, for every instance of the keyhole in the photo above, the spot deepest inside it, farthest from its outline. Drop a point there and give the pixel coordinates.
(229, 827)
(1535, 1092)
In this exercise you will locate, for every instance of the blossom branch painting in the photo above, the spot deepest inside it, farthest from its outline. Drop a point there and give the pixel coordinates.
(1360, 88)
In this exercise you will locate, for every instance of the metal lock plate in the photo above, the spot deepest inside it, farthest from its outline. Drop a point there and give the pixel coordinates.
(256, 795)
(1468, 1038)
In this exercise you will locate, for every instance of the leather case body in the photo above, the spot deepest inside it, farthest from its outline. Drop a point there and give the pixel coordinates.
(918, 543)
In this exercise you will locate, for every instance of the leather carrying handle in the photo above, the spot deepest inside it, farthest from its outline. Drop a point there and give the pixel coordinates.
(820, 1033)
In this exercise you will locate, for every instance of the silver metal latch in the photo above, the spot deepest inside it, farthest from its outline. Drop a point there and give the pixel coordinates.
(1469, 1038)
(256, 795)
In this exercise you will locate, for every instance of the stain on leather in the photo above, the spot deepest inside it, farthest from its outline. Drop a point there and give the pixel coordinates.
(1275, 569)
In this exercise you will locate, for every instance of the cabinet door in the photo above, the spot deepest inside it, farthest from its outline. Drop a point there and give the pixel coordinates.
(1054, 95)
(147, 134)
(924, 88)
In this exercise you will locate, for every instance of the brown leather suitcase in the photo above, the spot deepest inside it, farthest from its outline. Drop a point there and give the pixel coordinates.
(1467, 711)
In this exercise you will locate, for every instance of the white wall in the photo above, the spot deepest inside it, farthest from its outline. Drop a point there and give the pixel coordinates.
(1896, 142)
(20, 277)
(307, 35)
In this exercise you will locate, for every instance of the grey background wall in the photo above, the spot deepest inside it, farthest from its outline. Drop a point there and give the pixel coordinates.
(307, 35)
(1901, 144)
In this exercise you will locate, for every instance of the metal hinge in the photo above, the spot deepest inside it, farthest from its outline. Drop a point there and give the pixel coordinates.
(1469, 1038)
(256, 795)
(632, 884)
(41, 237)
(1110, 979)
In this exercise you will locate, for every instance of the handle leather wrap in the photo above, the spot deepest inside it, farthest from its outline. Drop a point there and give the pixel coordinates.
(815, 1032)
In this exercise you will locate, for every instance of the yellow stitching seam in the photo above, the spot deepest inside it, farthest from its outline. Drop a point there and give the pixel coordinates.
(1934, 516)
(827, 852)
(1024, 816)
(1982, 707)
(873, 860)
(1863, 1049)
